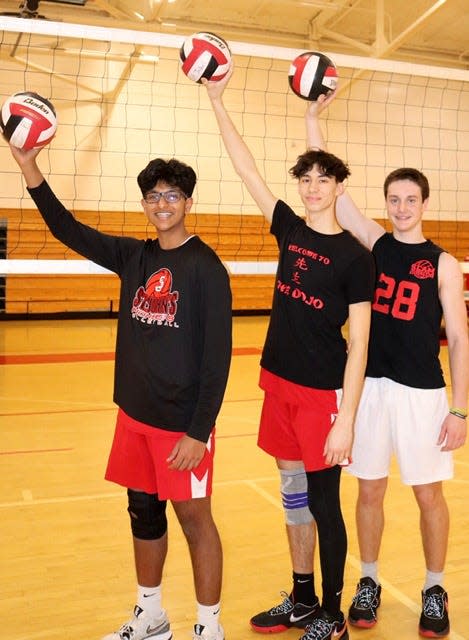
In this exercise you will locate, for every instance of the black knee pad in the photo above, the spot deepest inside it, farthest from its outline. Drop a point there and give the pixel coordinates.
(147, 515)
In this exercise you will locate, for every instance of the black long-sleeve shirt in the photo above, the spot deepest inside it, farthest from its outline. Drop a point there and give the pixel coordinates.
(173, 347)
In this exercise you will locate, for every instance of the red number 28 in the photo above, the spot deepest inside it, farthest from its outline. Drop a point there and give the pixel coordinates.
(405, 299)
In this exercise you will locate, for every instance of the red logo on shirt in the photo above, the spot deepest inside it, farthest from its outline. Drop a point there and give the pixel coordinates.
(422, 269)
(156, 303)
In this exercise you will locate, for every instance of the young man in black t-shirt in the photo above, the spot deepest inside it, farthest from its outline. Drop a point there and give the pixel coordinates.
(311, 378)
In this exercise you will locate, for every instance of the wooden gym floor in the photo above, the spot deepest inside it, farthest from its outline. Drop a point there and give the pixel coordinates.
(66, 555)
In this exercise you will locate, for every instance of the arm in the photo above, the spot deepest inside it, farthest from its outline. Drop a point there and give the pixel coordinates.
(348, 214)
(106, 250)
(241, 158)
(453, 429)
(215, 307)
(339, 441)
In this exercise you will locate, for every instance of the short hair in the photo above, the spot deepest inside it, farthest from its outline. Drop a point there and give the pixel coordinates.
(173, 172)
(329, 164)
(408, 173)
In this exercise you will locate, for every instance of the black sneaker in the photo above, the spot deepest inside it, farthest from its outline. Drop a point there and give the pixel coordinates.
(325, 627)
(367, 598)
(434, 621)
(284, 616)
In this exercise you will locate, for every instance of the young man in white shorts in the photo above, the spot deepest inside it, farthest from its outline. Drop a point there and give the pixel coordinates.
(404, 409)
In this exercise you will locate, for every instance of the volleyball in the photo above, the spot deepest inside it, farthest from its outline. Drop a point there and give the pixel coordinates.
(28, 120)
(205, 55)
(312, 74)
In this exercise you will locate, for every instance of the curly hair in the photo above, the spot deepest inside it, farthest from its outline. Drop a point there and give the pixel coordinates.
(329, 164)
(173, 172)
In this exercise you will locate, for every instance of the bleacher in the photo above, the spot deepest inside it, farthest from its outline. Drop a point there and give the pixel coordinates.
(234, 237)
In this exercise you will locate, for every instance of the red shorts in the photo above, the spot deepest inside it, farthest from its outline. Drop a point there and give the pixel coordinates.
(296, 420)
(138, 461)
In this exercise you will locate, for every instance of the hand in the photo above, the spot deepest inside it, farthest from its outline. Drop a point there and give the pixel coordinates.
(316, 107)
(215, 89)
(24, 156)
(338, 444)
(452, 433)
(187, 454)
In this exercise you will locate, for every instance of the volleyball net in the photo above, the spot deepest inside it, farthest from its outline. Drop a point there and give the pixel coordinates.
(122, 99)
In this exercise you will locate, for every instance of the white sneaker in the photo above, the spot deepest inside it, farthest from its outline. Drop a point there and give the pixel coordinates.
(202, 633)
(142, 626)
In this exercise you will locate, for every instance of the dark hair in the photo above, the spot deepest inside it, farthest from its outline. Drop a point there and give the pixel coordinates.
(173, 172)
(407, 173)
(328, 163)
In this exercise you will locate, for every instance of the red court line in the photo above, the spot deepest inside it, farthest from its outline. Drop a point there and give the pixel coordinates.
(50, 358)
(246, 351)
(16, 452)
(45, 358)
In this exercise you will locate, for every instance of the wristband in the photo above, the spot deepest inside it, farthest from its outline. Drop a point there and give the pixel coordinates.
(459, 413)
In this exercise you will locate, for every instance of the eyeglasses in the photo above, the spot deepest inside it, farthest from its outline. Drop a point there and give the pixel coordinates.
(171, 197)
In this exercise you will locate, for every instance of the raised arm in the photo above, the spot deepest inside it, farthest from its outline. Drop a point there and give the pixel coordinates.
(104, 249)
(453, 430)
(348, 214)
(241, 157)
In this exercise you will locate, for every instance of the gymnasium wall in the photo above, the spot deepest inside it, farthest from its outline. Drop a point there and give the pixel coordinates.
(120, 104)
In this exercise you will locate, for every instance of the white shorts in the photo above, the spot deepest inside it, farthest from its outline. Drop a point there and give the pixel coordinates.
(395, 419)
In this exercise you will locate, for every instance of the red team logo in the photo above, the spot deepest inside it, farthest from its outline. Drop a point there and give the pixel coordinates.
(422, 270)
(156, 303)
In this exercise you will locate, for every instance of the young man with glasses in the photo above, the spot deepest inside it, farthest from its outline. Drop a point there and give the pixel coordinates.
(173, 354)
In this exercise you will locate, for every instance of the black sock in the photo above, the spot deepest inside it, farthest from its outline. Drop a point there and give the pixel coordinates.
(303, 588)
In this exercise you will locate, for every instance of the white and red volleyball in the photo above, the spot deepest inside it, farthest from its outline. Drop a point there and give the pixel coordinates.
(28, 120)
(205, 55)
(312, 74)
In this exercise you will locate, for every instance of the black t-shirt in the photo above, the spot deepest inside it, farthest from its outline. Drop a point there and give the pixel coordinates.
(406, 314)
(318, 277)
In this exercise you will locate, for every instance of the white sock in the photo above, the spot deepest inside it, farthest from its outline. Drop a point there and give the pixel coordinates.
(149, 599)
(432, 579)
(370, 570)
(209, 616)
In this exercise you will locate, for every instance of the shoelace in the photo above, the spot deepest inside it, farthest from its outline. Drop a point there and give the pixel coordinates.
(365, 598)
(285, 607)
(433, 606)
(317, 630)
(126, 632)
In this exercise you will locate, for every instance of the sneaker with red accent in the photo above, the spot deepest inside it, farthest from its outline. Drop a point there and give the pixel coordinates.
(326, 627)
(284, 616)
(367, 598)
(434, 621)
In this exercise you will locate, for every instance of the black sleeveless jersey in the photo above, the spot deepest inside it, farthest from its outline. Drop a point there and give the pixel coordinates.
(406, 314)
